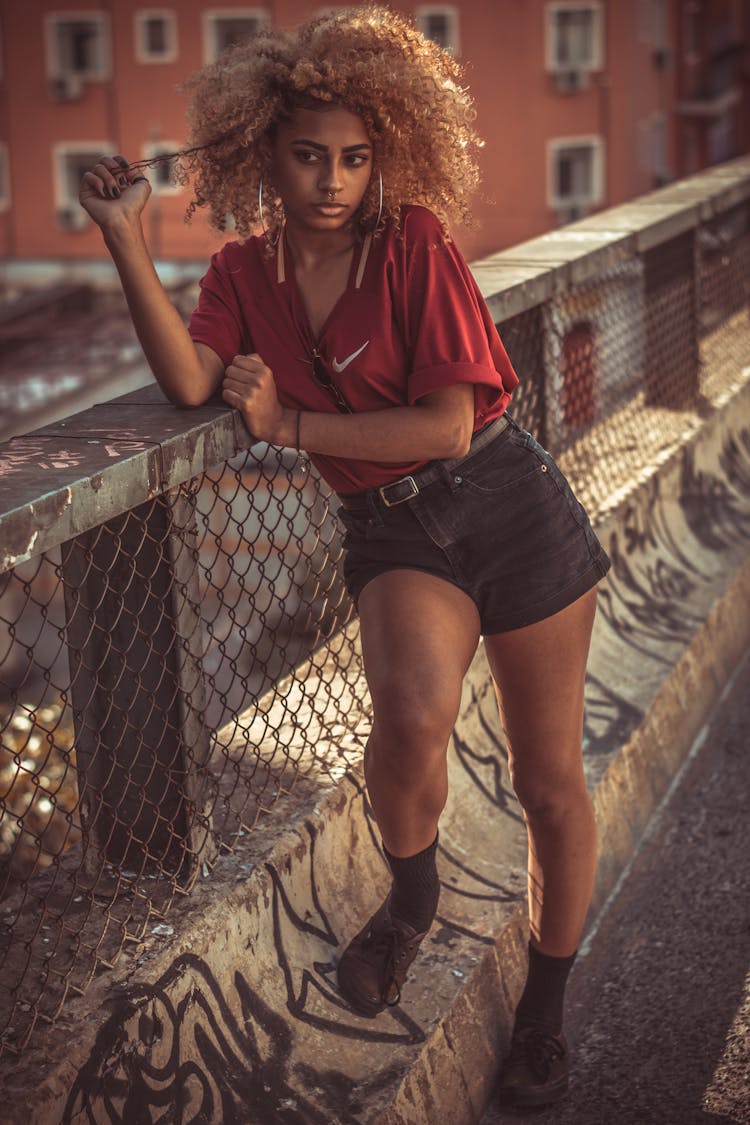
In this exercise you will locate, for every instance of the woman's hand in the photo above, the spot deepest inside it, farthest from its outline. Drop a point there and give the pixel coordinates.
(112, 191)
(249, 387)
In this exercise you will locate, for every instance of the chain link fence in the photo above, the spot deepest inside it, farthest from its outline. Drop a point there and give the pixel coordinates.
(167, 675)
(150, 671)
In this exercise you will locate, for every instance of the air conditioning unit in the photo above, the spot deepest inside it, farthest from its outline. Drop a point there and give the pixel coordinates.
(71, 218)
(66, 87)
(571, 81)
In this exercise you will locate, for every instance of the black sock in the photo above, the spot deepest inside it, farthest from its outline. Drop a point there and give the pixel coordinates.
(541, 1004)
(416, 887)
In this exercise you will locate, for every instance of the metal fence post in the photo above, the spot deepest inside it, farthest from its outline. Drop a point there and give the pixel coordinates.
(524, 339)
(135, 642)
(671, 351)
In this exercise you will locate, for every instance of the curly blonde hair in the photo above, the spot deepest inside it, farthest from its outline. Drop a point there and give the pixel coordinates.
(369, 60)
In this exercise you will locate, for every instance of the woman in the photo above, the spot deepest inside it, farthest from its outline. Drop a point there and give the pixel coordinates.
(352, 328)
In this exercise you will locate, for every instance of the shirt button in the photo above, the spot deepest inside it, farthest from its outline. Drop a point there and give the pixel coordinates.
(458, 480)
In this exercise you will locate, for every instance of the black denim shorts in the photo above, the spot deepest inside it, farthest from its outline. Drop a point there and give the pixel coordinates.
(501, 523)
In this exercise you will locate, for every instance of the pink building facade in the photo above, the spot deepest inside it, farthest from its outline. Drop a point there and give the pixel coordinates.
(582, 105)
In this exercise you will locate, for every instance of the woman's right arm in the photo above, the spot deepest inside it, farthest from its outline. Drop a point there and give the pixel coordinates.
(114, 196)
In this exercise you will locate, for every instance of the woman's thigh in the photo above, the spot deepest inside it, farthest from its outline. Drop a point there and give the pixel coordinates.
(540, 673)
(419, 634)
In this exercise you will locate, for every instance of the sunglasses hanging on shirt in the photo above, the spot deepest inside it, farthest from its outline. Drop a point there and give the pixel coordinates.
(325, 380)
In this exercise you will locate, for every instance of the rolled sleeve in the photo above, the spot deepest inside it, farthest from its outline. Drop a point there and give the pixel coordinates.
(428, 379)
(452, 338)
(217, 320)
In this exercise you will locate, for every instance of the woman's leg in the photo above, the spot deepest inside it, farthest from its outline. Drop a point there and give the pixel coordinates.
(539, 672)
(419, 634)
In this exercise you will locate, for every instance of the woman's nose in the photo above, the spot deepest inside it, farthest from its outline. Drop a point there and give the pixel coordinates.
(331, 178)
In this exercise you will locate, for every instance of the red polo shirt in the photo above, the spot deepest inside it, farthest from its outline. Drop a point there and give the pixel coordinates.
(410, 321)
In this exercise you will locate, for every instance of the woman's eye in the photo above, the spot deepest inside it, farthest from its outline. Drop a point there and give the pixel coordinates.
(356, 161)
(306, 157)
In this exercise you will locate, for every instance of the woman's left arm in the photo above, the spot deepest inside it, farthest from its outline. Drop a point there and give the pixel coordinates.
(439, 425)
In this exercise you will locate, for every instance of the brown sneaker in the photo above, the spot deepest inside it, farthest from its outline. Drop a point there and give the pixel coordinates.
(373, 967)
(536, 1070)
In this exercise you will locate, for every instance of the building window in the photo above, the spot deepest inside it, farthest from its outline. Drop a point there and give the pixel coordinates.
(574, 37)
(224, 27)
(77, 47)
(70, 162)
(4, 177)
(155, 36)
(653, 156)
(575, 176)
(161, 175)
(440, 25)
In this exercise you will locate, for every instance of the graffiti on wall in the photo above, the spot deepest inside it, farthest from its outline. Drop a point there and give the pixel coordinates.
(189, 1048)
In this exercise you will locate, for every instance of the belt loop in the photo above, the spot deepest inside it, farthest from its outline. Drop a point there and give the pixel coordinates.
(372, 507)
(449, 476)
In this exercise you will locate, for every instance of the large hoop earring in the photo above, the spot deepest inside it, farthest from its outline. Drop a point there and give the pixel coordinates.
(260, 206)
(380, 200)
(264, 228)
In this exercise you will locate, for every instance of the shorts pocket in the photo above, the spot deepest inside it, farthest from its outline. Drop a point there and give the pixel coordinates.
(558, 478)
(576, 509)
(503, 464)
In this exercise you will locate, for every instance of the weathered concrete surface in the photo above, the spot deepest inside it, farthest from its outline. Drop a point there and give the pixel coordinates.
(530, 272)
(234, 1016)
(659, 1000)
(102, 462)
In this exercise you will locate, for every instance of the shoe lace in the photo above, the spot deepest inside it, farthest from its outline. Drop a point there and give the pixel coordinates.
(393, 947)
(540, 1050)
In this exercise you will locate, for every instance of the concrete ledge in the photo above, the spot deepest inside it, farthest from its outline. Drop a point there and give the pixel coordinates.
(229, 1013)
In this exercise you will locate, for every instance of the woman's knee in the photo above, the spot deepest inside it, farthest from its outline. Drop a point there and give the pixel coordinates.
(551, 797)
(409, 725)
(409, 747)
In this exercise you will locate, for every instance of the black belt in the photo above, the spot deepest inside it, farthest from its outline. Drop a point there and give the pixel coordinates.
(407, 488)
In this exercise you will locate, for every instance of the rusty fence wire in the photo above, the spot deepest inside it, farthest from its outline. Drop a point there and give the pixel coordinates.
(166, 676)
(150, 672)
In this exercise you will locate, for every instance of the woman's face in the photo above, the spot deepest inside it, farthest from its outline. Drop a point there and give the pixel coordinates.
(322, 161)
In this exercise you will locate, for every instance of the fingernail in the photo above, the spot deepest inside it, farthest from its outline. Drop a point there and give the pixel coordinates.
(116, 192)
(122, 161)
(122, 181)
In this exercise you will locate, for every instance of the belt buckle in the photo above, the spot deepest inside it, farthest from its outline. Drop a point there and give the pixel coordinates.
(404, 480)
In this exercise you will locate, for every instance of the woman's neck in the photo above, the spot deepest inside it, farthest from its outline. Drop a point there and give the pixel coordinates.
(312, 249)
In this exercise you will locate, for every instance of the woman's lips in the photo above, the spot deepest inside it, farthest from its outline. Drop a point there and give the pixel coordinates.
(330, 208)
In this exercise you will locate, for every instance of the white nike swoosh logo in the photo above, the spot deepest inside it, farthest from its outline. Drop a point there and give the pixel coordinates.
(339, 367)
